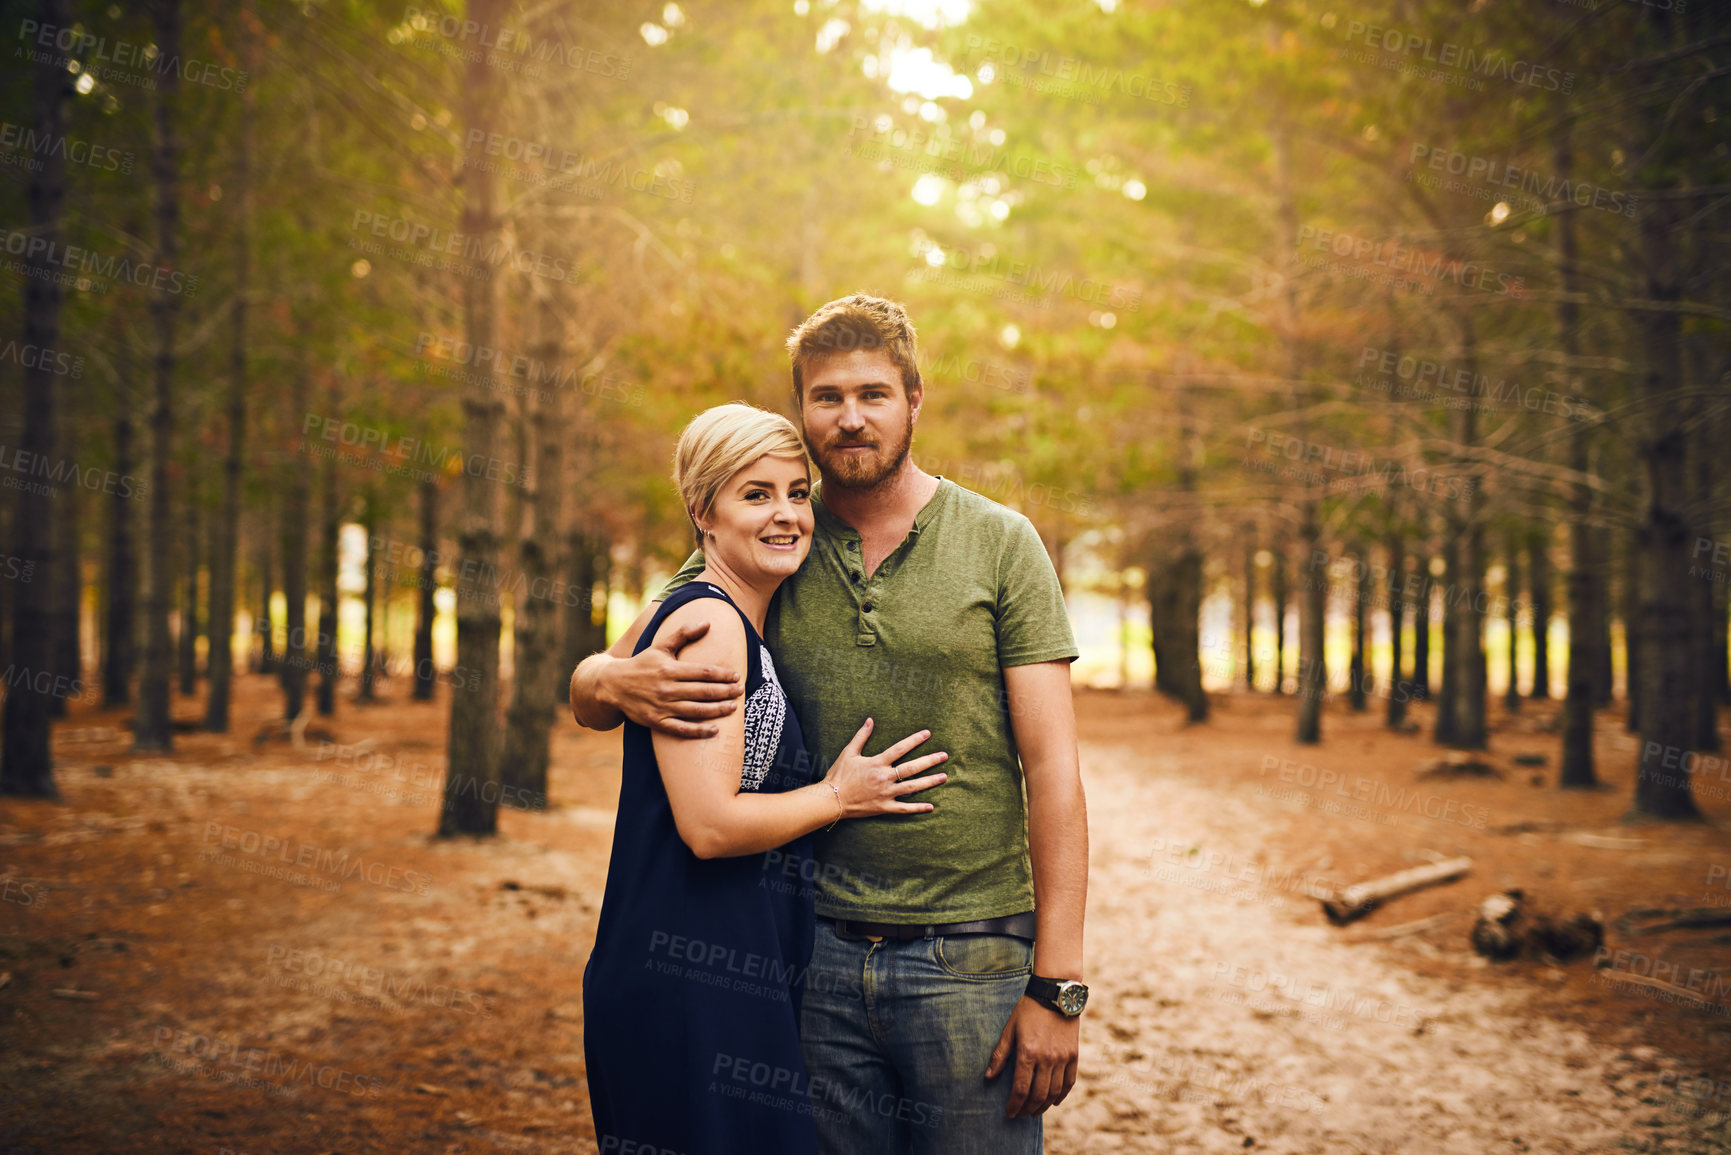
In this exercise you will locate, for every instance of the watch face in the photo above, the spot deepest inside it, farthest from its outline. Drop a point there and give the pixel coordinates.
(1072, 997)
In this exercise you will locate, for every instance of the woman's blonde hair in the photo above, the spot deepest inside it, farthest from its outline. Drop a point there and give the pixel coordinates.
(719, 443)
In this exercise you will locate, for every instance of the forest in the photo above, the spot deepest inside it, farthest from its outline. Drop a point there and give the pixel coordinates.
(1360, 367)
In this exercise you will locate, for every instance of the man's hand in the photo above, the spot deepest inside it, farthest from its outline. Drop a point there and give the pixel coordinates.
(657, 690)
(1047, 1045)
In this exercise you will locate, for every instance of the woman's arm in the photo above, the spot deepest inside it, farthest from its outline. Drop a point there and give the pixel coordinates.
(703, 775)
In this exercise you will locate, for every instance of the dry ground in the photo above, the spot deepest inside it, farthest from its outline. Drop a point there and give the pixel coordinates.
(160, 991)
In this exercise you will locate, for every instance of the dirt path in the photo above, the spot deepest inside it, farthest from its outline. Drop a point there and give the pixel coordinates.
(1237, 1018)
(250, 949)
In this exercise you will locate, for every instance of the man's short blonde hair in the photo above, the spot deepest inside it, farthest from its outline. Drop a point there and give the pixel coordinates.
(851, 323)
(719, 443)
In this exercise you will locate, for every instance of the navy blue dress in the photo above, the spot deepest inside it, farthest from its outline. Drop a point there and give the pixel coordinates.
(691, 995)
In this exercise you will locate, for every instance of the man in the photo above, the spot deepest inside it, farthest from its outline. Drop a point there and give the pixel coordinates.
(921, 605)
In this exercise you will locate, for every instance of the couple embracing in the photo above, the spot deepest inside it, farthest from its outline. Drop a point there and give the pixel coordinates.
(844, 907)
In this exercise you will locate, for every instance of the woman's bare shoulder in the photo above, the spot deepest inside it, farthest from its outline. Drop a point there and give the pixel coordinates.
(725, 640)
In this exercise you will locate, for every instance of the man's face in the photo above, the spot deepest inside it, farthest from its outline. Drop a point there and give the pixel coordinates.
(858, 421)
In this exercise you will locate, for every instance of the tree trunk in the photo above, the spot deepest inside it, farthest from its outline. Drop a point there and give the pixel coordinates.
(1588, 609)
(225, 534)
(268, 663)
(152, 730)
(1539, 582)
(1313, 606)
(536, 683)
(1448, 700)
(1249, 608)
(1700, 366)
(1356, 664)
(1470, 691)
(330, 529)
(120, 592)
(1399, 689)
(1511, 609)
(1668, 672)
(1277, 579)
(26, 760)
(423, 649)
(369, 656)
(295, 516)
(1604, 678)
(580, 609)
(1160, 614)
(68, 588)
(188, 638)
(1421, 628)
(1719, 680)
(1186, 631)
(472, 774)
(1632, 630)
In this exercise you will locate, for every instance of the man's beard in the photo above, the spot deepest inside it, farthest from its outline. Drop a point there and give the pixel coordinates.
(851, 471)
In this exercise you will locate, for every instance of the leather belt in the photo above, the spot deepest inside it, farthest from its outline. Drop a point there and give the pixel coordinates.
(1020, 925)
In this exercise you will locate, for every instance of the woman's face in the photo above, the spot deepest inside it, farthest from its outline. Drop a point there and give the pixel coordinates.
(762, 520)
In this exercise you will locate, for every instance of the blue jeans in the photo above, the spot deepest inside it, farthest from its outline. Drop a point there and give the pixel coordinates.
(896, 1038)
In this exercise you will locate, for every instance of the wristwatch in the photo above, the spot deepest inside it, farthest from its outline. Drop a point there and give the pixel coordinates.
(1065, 996)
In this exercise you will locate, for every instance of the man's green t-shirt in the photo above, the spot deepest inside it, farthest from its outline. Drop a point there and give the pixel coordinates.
(920, 644)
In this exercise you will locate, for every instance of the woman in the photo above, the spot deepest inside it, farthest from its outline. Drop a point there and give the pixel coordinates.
(691, 995)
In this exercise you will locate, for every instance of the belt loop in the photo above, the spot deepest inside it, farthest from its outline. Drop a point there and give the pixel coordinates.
(930, 927)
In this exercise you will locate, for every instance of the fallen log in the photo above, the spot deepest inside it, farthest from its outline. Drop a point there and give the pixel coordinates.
(1690, 918)
(1358, 900)
(1386, 933)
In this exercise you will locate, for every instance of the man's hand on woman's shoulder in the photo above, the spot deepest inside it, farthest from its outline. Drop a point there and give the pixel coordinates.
(679, 696)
